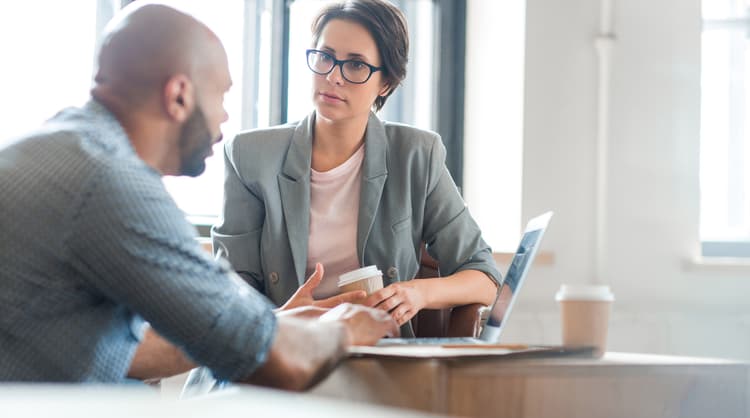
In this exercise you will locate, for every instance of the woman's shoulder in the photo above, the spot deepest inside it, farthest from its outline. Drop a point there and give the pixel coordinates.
(260, 145)
(398, 130)
(263, 137)
(407, 139)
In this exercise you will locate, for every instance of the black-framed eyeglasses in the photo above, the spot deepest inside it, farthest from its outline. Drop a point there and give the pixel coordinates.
(354, 71)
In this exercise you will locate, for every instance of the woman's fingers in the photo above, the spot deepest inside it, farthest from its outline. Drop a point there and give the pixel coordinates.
(314, 280)
(390, 303)
(402, 314)
(378, 297)
(353, 296)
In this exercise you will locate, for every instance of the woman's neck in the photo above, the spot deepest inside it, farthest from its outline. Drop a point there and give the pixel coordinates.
(335, 142)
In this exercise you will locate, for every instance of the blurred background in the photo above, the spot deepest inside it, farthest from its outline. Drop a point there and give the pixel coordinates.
(625, 117)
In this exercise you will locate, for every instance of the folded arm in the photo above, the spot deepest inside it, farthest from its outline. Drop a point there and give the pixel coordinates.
(308, 344)
(302, 353)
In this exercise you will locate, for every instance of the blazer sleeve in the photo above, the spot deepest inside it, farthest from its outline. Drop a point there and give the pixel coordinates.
(451, 234)
(238, 234)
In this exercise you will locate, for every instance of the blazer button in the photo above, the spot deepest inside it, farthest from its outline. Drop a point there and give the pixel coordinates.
(392, 272)
(274, 277)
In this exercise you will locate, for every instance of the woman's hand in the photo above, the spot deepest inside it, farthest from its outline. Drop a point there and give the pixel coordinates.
(402, 300)
(304, 295)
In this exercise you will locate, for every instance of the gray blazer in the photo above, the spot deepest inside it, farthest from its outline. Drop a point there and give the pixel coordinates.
(407, 196)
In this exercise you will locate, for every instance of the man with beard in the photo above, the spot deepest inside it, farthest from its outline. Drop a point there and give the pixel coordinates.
(93, 249)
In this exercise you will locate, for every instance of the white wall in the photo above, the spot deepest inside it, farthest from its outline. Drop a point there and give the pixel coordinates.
(652, 193)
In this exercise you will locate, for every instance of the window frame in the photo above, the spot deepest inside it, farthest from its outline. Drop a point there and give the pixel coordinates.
(739, 248)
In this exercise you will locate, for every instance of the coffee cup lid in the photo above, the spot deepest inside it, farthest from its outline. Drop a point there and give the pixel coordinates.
(584, 292)
(359, 274)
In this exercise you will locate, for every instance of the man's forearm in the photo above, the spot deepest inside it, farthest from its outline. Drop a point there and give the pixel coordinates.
(158, 358)
(303, 353)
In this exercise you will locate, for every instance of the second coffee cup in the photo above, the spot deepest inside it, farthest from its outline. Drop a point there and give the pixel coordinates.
(584, 312)
(369, 279)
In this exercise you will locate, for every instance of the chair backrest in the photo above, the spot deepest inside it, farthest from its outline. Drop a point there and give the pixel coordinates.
(459, 321)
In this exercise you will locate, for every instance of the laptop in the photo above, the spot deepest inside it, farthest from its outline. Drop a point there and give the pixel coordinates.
(507, 292)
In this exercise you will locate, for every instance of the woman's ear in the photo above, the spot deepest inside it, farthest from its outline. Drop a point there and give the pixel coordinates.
(385, 90)
(179, 97)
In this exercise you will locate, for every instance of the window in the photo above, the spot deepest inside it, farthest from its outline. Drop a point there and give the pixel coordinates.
(494, 102)
(265, 42)
(201, 197)
(41, 74)
(725, 131)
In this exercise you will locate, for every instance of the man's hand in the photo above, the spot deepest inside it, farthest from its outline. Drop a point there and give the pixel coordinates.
(364, 326)
(303, 312)
(305, 350)
(402, 300)
(304, 295)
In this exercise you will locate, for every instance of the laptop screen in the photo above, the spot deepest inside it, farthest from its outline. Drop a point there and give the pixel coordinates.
(514, 278)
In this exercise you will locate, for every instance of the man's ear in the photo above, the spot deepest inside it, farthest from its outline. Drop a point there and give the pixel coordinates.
(179, 97)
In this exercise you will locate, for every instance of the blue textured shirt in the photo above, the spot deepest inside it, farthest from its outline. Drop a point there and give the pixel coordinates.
(91, 245)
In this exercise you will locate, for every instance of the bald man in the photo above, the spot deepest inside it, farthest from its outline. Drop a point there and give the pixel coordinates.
(93, 248)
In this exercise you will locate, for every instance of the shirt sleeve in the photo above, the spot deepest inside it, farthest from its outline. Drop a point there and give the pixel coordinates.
(134, 247)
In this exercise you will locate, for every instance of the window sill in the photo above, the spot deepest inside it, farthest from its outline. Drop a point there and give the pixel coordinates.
(205, 243)
(718, 264)
(543, 258)
(203, 224)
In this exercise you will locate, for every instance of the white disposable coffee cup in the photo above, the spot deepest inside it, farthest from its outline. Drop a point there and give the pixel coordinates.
(369, 279)
(584, 310)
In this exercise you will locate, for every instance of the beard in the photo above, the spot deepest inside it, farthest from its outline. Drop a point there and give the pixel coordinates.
(195, 144)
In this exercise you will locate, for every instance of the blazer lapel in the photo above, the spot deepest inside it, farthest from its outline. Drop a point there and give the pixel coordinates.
(374, 174)
(294, 188)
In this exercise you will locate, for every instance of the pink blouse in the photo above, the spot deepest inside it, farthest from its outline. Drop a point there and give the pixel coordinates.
(334, 209)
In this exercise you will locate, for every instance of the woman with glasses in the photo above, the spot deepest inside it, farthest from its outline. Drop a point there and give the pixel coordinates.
(344, 189)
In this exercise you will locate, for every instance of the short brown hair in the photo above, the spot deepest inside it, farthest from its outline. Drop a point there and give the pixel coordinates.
(387, 26)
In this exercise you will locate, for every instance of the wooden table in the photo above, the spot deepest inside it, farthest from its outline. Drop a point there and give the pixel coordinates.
(618, 385)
